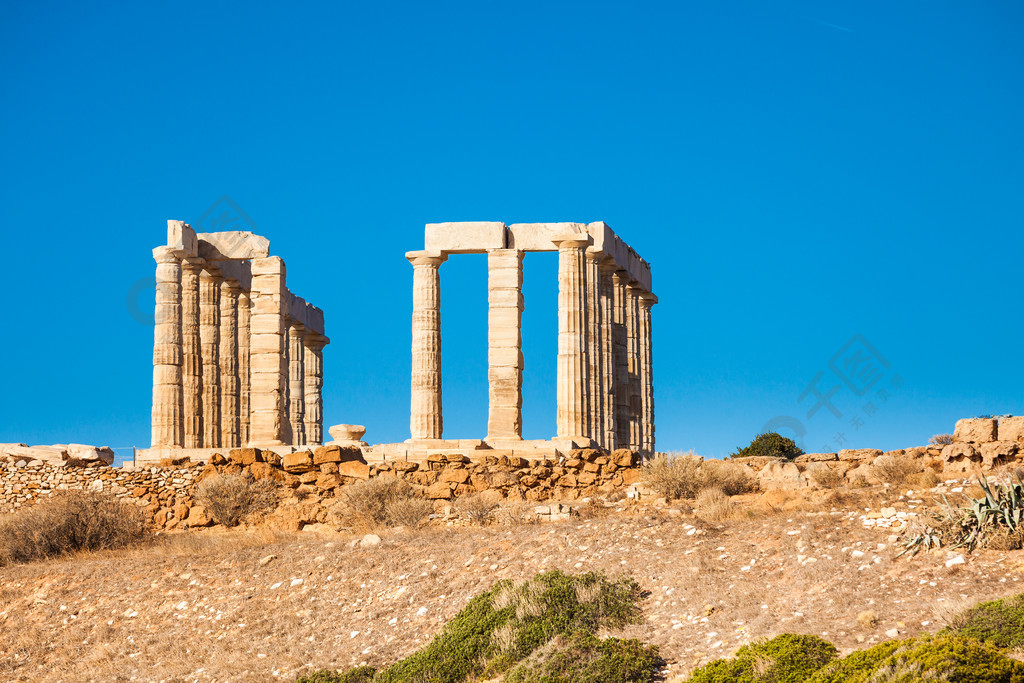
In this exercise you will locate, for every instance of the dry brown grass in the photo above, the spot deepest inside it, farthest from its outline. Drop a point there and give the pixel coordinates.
(895, 470)
(684, 475)
(941, 440)
(673, 475)
(477, 508)
(384, 501)
(713, 505)
(69, 522)
(826, 477)
(231, 498)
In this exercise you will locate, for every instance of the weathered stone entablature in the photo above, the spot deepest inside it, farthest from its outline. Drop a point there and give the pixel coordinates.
(237, 357)
(605, 378)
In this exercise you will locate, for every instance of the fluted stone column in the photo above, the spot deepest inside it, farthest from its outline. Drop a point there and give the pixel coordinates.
(504, 344)
(425, 415)
(167, 422)
(621, 354)
(229, 385)
(607, 333)
(595, 393)
(209, 343)
(647, 300)
(192, 363)
(633, 355)
(314, 368)
(572, 347)
(243, 368)
(268, 368)
(296, 383)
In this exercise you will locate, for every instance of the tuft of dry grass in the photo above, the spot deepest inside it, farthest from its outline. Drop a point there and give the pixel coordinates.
(385, 501)
(476, 508)
(231, 498)
(941, 440)
(685, 475)
(410, 512)
(730, 478)
(894, 470)
(673, 475)
(713, 505)
(68, 522)
(826, 477)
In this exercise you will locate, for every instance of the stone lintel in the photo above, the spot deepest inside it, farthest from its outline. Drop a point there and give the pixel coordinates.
(540, 236)
(465, 237)
(239, 271)
(232, 245)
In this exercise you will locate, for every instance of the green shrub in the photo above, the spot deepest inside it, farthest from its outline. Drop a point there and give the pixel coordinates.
(770, 444)
(506, 624)
(789, 658)
(1000, 623)
(69, 521)
(584, 658)
(360, 674)
(942, 658)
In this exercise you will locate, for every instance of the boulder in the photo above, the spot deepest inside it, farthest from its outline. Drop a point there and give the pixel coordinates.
(328, 481)
(456, 476)
(245, 456)
(51, 455)
(439, 491)
(90, 453)
(778, 475)
(975, 430)
(404, 466)
(997, 453)
(326, 454)
(1011, 429)
(264, 470)
(299, 461)
(958, 452)
(855, 454)
(816, 457)
(354, 469)
(198, 516)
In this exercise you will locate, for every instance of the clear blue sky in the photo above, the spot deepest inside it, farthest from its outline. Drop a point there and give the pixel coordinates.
(796, 173)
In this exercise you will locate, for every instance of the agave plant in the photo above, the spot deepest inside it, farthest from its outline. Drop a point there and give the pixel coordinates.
(1001, 510)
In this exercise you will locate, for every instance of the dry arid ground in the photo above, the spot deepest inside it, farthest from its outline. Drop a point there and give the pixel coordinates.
(201, 606)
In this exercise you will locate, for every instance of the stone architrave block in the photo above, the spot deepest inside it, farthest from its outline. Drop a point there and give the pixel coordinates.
(1011, 429)
(232, 245)
(182, 239)
(975, 430)
(540, 236)
(464, 238)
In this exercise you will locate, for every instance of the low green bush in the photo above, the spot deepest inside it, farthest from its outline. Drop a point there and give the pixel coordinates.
(953, 658)
(585, 658)
(769, 444)
(509, 623)
(1000, 623)
(788, 658)
(360, 674)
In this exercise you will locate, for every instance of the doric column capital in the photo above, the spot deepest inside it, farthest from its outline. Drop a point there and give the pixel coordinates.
(426, 258)
(608, 264)
(576, 240)
(193, 265)
(648, 299)
(165, 255)
(316, 341)
(594, 254)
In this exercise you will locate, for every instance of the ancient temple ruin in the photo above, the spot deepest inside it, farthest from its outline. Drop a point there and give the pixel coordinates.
(237, 358)
(605, 387)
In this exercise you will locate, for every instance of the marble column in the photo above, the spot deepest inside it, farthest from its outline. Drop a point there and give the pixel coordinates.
(621, 355)
(243, 367)
(268, 366)
(167, 423)
(647, 300)
(607, 333)
(192, 363)
(573, 359)
(425, 415)
(633, 362)
(595, 392)
(209, 344)
(504, 344)
(296, 383)
(230, 387)
(314, 368)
